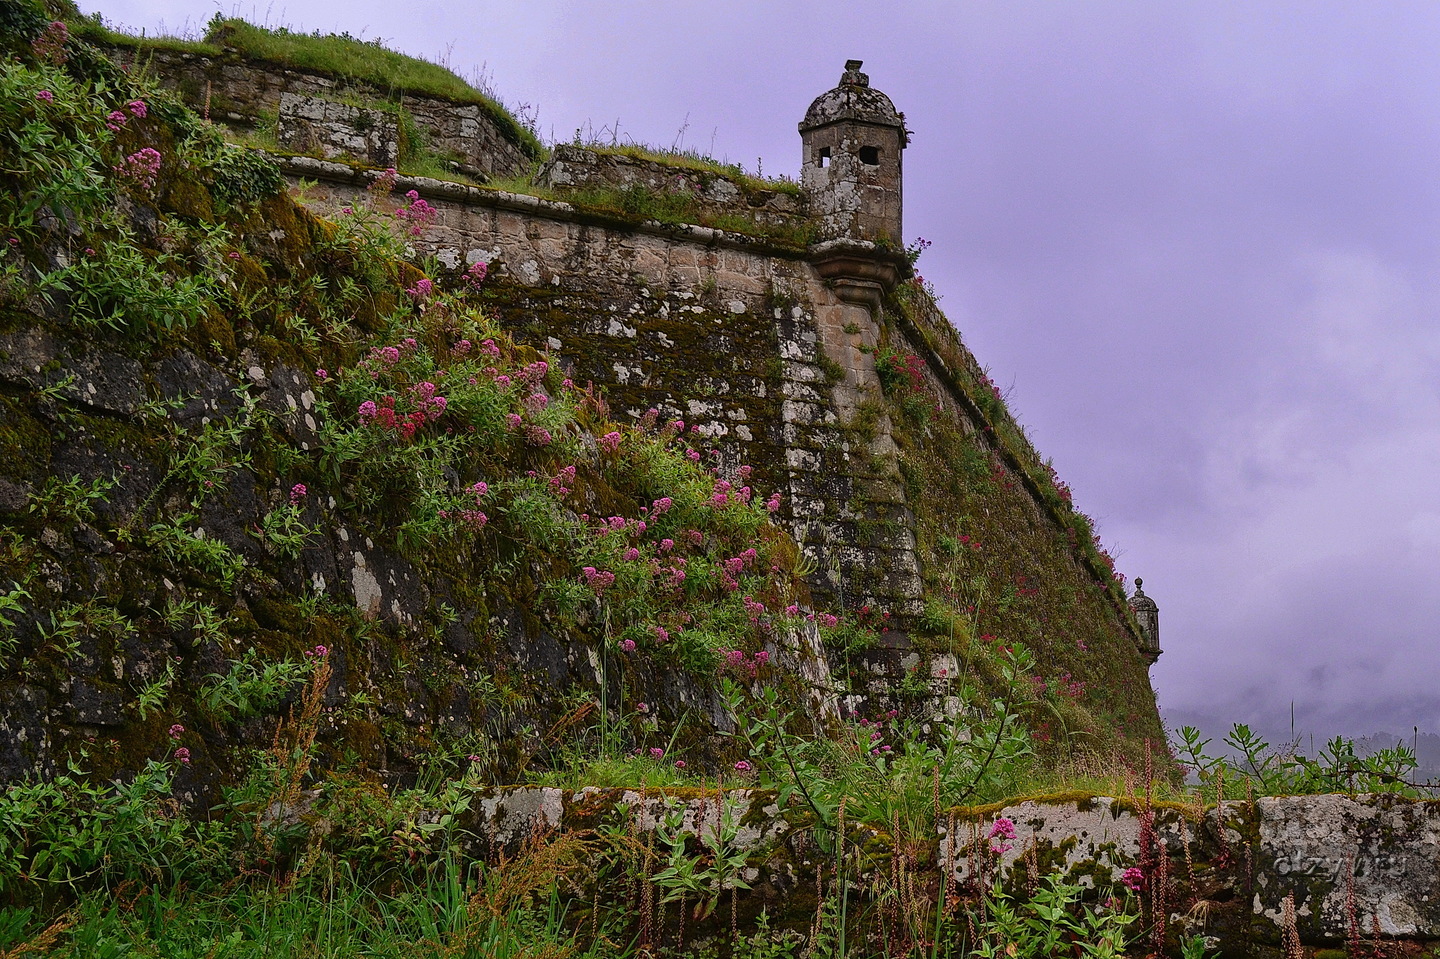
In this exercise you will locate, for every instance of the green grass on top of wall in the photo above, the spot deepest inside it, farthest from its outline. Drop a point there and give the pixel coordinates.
(700, 163)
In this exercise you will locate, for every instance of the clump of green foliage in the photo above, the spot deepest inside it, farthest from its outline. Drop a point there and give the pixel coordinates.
(697, 162)
(1255, 766)
(639, 203)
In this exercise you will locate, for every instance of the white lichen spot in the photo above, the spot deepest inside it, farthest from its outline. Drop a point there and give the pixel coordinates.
(364, 584)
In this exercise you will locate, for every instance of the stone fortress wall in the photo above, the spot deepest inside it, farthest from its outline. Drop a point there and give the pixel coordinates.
(726, 333)
(768, 345)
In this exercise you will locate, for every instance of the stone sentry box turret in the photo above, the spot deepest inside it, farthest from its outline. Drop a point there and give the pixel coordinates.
(1147, 615)
(852, 139)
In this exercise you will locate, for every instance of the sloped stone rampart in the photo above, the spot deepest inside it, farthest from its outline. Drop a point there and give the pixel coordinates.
(420, 674)
(737, 333)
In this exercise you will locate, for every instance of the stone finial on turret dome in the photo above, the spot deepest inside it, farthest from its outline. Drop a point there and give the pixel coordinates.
(1147, 615)
(852, 137)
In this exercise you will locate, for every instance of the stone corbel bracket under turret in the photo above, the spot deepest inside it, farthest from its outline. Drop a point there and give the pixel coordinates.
(859, 271)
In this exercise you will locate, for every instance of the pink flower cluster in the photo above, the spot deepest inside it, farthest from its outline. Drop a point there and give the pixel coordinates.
(476, 274)
(754, 609)
(384, 183)
(723, 496)
(422, 291)
(1002, 831)
(418, 212)
(1133, 879)
(117, 118)
(297, 493)
(562, 482)
(141, 167)
(597, 580)
(382, 357)
(426, 407)
(472, 518)
(989, 384)
(50, 44)
(741, 664)
(610, 442)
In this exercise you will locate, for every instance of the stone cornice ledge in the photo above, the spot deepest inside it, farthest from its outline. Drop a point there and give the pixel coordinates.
(860, 261)
(337, 172)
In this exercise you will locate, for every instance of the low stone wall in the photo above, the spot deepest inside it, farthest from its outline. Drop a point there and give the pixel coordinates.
(572, 167)
(240, 92)
(1358, 867)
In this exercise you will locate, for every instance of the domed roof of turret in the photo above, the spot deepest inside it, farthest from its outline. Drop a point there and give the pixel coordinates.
(1140, 601)
(853, 99)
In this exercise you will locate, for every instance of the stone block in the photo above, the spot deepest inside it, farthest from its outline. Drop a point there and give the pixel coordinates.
(310, 124)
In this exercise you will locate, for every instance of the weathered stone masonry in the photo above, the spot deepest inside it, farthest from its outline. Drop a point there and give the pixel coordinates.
(317, 112)
(721, 330)
(767, 347)
(1357, 866)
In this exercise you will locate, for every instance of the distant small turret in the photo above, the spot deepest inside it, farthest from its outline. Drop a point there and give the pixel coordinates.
(1147, 614)
(852, 139)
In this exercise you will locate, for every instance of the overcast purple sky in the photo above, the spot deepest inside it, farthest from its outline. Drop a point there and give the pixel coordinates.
(1197, 241)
